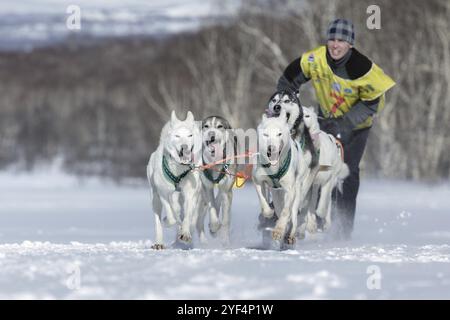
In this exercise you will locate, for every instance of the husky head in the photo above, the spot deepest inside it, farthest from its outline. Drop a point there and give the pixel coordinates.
(216, 137)
(273, 136)
(310, 119)
(288, 101)
(182, 138)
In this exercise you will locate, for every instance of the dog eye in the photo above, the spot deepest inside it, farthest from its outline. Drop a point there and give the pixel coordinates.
(286, 101)
(274, 100)
(177, 136)
(265, 135)
(190, 136)
(219, 126)
(279, 135)
(206, 126)
(307, 115)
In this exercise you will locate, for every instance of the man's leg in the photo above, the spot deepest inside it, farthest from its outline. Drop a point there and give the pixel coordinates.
(345, 202)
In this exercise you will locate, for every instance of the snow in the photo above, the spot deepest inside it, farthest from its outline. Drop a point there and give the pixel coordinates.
(29, 23)
(65, 238)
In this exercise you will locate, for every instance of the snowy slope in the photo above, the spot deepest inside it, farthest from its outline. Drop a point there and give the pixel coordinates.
(53, 227)
(28, 23)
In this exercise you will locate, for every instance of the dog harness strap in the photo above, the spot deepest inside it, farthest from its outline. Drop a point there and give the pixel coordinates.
(208, 175)
(284, 168)
(169, 175)
(223, 171)
(302, 142)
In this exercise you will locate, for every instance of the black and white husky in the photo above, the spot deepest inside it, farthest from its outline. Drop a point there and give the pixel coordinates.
(220, 167)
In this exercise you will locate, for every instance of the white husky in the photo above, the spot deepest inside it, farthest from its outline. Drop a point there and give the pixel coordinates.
(277, 174)
(289, 102)
(332, 171)
(326, 166)
(174, 183)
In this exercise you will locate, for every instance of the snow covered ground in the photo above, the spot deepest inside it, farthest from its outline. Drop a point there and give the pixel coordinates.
(69, 239)
(26, 24)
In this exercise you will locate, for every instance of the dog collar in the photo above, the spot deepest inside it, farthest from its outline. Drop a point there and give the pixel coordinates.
(208, 172)
(282, 171)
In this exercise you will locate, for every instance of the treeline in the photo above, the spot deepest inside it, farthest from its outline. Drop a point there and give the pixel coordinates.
(101, 106)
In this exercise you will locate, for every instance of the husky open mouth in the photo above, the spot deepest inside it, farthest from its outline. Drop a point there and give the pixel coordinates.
(274, 156)
(213, 147)
(185, 155)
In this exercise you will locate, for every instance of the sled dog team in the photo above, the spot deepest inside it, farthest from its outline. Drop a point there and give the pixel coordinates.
(295, 168)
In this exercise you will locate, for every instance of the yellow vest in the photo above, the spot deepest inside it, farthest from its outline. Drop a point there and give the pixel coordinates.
(336, 95)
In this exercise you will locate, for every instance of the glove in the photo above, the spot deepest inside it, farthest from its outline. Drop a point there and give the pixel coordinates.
(341, 128)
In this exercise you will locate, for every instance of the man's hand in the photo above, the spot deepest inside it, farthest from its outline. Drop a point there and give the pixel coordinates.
(341, 128)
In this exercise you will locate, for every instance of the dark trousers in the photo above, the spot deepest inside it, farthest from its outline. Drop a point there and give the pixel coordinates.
(344, 204)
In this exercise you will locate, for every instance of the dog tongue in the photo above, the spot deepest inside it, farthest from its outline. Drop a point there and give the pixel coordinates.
(187, 157)
(273, 157)
(213, 147)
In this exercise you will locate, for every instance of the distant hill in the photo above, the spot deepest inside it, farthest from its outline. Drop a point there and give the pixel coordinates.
(33, 23)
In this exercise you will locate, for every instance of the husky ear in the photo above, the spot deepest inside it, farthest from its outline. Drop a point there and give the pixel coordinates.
(226, 124)
(189, 117)
(173, 117)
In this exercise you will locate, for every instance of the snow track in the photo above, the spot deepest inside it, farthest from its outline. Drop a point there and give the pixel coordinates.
(66, 240)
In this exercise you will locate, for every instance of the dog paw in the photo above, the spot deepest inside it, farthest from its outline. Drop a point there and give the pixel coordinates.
(185, 237)
(214, 228)
(277, 234)
(264, 223)
(290, 240)
(311, 224)
(311, 228)
(268, 213)
(158, 246)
